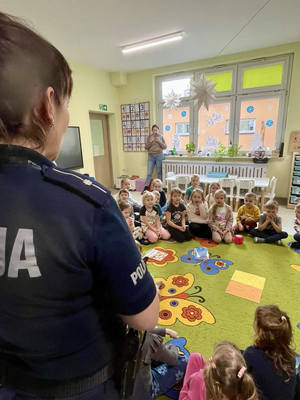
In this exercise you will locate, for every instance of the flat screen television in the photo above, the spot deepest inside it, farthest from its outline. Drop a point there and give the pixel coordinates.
(70, 155)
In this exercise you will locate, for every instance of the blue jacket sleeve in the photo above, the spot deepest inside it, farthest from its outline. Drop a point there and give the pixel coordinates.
(119, 269)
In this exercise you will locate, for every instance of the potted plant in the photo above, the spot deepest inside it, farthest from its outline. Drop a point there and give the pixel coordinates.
(190, 148)
(220, 152)
(233, 150)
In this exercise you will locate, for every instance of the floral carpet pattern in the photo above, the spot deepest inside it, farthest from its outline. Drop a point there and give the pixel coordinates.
(193, 298)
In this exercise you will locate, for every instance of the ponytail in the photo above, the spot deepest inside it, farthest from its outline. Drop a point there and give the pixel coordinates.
(226, 374)
(247, 388)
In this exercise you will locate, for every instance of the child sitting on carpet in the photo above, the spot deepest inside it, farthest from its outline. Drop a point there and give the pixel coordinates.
(269, 227)
(272, 360)
(123, 196)
(161, 366)
(157, 205)
(126, 210)
(296, 245)
(157, 185)
(175, 217)
(224, 377)
(195, 183)
(125, 184)
(151, 225)
(220, 218)
(248, 214)
(210, 198)
(197, 212)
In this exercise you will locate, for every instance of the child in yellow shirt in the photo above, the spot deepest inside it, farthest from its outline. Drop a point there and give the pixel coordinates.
(248, 214)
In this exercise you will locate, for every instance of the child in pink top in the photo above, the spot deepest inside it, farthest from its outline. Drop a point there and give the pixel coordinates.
(224, 377)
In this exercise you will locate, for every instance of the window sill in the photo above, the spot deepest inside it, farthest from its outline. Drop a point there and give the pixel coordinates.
(216, 159)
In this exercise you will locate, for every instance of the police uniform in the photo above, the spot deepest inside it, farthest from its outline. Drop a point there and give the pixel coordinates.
(67, 261)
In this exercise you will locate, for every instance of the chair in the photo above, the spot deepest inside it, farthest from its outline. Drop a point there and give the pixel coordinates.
(270, 194)
(271, 189)
(228, 185)
(243, 186)
(182, 181)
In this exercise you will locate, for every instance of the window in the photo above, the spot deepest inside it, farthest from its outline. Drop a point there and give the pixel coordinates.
(249, 110)
(182, 128)
(246, 126)
(212, 125)
(176, 125)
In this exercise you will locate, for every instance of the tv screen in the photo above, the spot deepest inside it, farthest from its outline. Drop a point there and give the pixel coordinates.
(70, 155)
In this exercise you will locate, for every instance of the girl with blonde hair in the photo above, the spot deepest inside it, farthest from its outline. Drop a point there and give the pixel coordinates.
(220, 218)
(151, 225)
(224, 377)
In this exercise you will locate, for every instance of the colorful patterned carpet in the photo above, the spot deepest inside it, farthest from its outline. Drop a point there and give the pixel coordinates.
(214, 300)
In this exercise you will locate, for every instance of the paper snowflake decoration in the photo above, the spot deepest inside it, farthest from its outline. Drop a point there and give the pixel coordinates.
(172, 100)
(203, 91)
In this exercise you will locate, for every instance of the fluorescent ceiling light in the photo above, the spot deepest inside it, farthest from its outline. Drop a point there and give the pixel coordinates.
(172, 37)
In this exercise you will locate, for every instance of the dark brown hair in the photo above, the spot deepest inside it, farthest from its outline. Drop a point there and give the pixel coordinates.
(273, 335)
(154, 126)
(123, 191)
(222, 375)
(29, 65)
(124, 204)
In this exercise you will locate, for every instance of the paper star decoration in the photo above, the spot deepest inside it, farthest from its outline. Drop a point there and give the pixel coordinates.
(172, 100)
(203, 91)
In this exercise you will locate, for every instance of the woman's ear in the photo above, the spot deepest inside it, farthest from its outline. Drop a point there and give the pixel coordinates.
(48, 106)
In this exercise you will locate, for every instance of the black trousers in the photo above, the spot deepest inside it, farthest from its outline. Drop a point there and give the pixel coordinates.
(200, 230)
(178, 235)
(269, 235)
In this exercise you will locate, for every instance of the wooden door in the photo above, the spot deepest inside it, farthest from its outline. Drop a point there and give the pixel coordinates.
(101, 149)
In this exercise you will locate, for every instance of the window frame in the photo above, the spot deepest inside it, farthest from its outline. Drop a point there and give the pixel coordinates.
(182, 133)
(258, 96)
(219, 100)
(234, 96)
(242, 132)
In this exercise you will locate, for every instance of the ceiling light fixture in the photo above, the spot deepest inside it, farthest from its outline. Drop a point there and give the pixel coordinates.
(172, 37)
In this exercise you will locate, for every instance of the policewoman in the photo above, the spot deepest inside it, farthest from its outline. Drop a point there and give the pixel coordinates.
(68, 264)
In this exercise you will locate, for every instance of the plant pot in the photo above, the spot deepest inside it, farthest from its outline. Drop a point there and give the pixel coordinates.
(190, 153)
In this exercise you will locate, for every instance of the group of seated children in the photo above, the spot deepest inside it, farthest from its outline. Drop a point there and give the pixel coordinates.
(208, 217)
(264, 371)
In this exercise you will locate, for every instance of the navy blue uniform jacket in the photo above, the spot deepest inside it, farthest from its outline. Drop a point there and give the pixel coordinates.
(67, 263)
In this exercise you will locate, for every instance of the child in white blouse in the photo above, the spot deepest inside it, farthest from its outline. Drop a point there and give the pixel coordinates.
(197, 211)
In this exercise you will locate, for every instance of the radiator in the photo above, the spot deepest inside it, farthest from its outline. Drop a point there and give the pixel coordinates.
(241, 169)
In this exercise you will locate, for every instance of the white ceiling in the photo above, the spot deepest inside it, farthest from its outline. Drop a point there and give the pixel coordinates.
(92, 31)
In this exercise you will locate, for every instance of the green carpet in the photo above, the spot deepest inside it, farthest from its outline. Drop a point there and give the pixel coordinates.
(216, 316)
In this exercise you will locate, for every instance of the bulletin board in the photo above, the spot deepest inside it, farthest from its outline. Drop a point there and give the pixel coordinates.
(294, 145)
(135, 120)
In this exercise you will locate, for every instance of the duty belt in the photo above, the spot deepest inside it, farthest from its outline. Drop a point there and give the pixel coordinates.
(18, 380)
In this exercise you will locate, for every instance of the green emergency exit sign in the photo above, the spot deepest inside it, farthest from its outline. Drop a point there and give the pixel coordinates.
(103, 107)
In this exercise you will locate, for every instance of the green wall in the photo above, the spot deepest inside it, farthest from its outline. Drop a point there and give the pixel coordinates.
(93, 87)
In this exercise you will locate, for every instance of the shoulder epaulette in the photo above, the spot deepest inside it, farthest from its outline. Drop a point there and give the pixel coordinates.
(84, 186)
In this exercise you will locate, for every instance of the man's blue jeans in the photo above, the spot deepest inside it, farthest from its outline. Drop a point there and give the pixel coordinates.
(154, 160)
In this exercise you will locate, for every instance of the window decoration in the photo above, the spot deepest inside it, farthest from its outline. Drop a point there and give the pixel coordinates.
(203, 91)
(172, 100)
